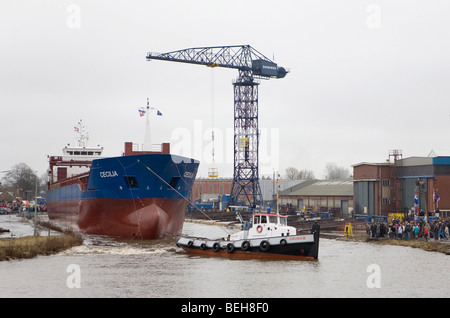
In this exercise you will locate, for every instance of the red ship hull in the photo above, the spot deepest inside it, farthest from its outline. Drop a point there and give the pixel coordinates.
(149, 218)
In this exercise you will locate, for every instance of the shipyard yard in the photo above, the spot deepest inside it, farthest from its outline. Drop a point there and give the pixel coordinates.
(111, 267)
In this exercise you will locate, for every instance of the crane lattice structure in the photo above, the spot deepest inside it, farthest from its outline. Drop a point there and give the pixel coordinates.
(251, 65)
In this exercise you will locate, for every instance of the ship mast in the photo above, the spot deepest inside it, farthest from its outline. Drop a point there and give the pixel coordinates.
(84, 137)
(147, 137)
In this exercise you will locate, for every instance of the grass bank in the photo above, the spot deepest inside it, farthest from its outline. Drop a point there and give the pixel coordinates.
(430, 246)
(31, 246)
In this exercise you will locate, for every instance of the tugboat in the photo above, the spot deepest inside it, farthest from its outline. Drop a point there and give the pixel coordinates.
(265, 236)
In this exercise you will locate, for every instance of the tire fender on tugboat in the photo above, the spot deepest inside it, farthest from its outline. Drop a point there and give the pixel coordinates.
(264, 246)
(229, 248)
(245, 245)
(216, 247)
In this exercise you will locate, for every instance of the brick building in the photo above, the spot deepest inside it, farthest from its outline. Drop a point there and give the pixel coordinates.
(205, 189)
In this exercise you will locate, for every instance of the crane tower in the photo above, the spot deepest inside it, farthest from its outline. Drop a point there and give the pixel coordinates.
(251, 65)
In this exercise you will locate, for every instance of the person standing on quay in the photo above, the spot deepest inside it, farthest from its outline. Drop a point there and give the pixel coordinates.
(400, 231)
(436, 231)
(446, 232)
(416, 231)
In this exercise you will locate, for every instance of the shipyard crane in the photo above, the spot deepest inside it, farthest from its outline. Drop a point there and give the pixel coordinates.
(251, 65)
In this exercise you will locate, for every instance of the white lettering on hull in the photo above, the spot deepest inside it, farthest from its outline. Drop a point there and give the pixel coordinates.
(108, 174)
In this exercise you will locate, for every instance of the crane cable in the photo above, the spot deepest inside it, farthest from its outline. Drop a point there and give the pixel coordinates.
(212, 112)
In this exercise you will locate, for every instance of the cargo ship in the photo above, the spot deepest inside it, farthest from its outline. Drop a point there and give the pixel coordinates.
(141, 194)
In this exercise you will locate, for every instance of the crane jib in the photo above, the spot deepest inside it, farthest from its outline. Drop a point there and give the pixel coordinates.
(244, 58)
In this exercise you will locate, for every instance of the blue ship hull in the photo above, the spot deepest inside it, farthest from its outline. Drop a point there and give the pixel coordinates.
(142, 196)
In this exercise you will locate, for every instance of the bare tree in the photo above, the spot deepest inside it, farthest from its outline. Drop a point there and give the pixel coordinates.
(305, 174)
(294, 174)
(21, 177)
(291, 173)
(333, 172)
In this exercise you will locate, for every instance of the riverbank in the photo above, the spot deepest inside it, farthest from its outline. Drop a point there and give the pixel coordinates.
(32, 246)
(18, 241)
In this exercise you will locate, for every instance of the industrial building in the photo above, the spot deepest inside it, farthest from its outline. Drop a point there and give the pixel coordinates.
(210, 189)
(403, 185)
(334, 196)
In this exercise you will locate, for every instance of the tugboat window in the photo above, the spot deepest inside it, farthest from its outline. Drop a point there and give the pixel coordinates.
(263, 218)
(131, 182)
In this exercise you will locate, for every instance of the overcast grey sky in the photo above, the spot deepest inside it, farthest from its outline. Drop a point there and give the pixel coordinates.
(365, 77)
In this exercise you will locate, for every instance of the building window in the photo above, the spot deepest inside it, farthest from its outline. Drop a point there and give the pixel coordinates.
(385, 182)
(386, 201)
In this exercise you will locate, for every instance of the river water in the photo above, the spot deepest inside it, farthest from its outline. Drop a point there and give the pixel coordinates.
(106, 267)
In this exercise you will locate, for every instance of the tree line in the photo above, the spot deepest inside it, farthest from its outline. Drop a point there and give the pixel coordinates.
(332, 172)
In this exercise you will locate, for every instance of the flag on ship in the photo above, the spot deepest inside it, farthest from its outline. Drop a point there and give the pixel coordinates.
(142, 112)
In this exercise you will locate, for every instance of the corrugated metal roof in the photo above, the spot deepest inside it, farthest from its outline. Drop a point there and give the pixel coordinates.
(322, 188)
(268, 187)
(416, 161)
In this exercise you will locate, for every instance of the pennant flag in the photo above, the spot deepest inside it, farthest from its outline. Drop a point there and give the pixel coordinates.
(158, 113)
(76, 129)
(141, 112)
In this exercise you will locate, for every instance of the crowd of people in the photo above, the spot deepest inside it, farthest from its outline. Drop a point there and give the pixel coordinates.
(410, 230)
(22, 206)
